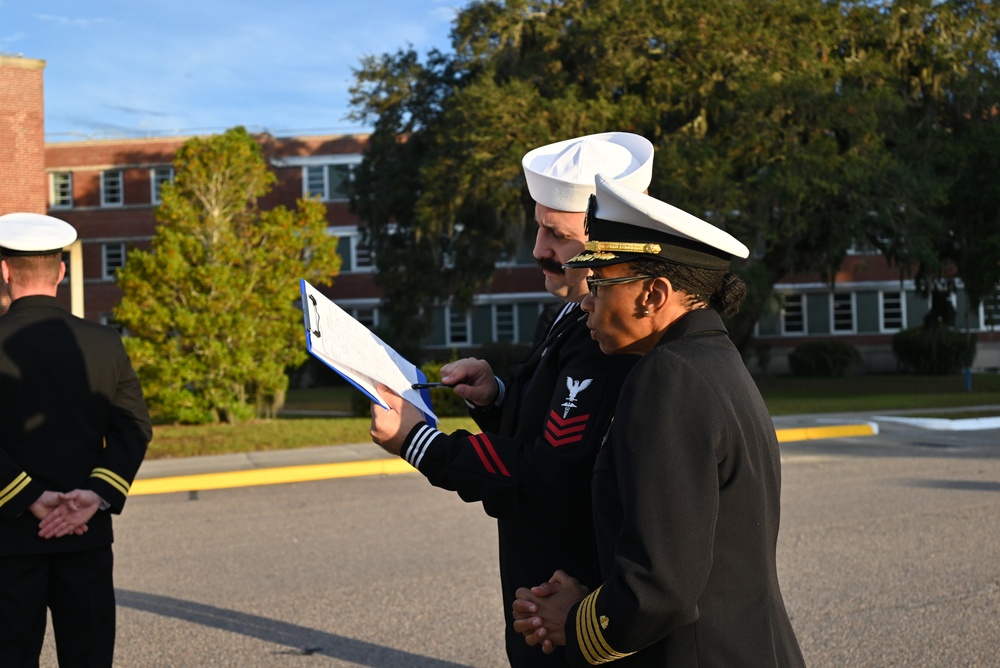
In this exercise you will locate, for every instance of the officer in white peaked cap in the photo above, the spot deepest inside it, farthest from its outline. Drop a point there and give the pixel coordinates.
(687, 484)
(75, 429)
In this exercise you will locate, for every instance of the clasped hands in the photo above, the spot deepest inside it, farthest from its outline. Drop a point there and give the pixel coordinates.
(471, 379)
(540, 612)
(64, 513)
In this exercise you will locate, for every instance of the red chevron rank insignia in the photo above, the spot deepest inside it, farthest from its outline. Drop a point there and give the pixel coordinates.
(562, 431)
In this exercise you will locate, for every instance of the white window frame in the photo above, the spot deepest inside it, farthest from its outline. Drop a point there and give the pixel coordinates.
(359, 251)
(851, 302)
(109, 266)
(107, 184)
(983, 324)
(804, 298)
(369, 322)
(61, 194)
(513, 323)
(882, 310)
(323, 162)
(157, 177)
(451, 315)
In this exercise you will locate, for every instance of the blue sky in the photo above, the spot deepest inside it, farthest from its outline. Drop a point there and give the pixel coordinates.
(130, 67)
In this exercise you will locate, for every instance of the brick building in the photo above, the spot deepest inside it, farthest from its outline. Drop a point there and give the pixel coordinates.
(108, 190)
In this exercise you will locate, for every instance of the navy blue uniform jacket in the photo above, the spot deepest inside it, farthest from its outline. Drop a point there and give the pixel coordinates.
(686, 495)
(72, 416)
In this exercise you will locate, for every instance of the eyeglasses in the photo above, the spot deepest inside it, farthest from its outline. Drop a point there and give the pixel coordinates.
(594, 283)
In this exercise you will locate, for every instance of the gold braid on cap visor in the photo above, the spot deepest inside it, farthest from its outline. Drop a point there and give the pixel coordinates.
(605, 250)
(622, 247)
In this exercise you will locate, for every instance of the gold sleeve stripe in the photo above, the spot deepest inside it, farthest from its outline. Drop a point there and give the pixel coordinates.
(12, 490)
(112, 479)
(593, 646)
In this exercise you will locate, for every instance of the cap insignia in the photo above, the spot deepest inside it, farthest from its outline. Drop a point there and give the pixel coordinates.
(622, 247)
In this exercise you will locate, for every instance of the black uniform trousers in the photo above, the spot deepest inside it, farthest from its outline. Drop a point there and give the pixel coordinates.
(71, 581)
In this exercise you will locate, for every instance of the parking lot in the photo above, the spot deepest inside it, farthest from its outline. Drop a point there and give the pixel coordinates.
(888, 557)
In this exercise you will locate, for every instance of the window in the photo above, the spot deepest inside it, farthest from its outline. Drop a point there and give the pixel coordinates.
(893, 311)
(793, 316)
(65, 259)
(157, 177)
(113, 256)
(112, 191)
(362, 260)
(991, 312)
(328, 182)
(62, 190)
(459, 327)
(366, 316)
(108, 318)
(843, 312)
(504, 323)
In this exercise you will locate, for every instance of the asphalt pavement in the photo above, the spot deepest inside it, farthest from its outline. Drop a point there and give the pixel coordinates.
(163, 476)
(191, 474)
(886, 556)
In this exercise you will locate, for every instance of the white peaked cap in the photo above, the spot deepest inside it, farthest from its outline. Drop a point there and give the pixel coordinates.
(625, 225)
(34, 234)
(561, 175)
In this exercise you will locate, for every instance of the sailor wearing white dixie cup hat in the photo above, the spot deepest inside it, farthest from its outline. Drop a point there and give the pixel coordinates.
(561, 175)
(75, 429)
(543, 422)
(560, 178)
(686, 487)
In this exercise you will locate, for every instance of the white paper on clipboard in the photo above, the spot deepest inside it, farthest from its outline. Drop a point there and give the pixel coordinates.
(353, 351)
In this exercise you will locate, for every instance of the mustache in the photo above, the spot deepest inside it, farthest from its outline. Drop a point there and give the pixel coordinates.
(550, 265)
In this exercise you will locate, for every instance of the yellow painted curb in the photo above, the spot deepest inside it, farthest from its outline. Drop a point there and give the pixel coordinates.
(834, 431)
(275, 476)
(390, 466)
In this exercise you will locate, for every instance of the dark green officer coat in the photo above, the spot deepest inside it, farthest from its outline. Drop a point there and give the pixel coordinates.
(72, 416)
(686, 495)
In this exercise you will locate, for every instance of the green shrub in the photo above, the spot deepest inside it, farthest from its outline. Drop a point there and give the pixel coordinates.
(444, 401)
(934, 350)
(830, 357)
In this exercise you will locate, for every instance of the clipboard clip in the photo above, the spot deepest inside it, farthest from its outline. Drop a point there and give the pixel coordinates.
(315, 330)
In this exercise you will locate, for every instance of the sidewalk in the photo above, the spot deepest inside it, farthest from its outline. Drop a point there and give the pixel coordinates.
(192, 474)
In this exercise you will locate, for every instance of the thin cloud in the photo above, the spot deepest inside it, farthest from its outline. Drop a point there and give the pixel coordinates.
(75, 23)
(150, 67)
(13, 38)
(136, 111)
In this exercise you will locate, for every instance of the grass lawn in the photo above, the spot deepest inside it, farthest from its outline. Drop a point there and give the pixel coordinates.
(784, 395)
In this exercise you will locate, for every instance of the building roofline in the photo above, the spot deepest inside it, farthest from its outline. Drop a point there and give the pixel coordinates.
(17, 60)
(203, 132)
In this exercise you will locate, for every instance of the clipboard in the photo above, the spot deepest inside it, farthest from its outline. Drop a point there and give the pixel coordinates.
(357, 354)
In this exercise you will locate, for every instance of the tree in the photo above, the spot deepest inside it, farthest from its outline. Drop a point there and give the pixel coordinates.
(789, 123)
(947, 59)
(212, 307)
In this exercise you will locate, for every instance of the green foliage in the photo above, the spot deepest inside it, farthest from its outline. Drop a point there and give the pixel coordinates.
(212, 307)
(801, 126)
(936, 349)
(826, 358)
(444, 400)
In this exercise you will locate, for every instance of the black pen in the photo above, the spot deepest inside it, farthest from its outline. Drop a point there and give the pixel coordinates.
(428, 386)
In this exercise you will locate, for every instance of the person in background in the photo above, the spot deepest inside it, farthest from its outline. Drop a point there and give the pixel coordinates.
(686, 488)
(75, 430)
(542, 424)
